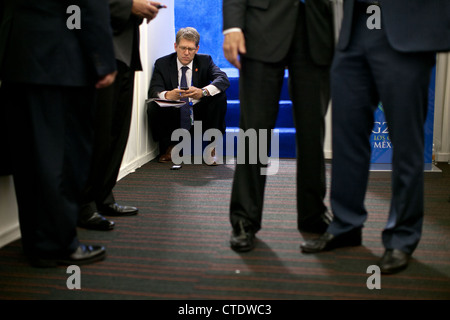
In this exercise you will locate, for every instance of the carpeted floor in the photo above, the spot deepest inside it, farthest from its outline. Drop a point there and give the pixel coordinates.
(177, 246)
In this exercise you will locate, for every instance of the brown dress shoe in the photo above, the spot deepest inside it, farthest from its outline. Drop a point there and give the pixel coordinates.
(166, 157)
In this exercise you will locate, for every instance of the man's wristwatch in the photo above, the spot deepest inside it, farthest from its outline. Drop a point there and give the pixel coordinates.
(205, 92)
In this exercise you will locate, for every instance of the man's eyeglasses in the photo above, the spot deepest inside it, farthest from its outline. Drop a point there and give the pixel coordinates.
(187, 48)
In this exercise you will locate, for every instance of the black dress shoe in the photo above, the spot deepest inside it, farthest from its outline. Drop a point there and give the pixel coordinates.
(242, 240)
(320, 225)
(97, 222)
(116, 210)
(393, 261)
(83, 255)
(327, 241)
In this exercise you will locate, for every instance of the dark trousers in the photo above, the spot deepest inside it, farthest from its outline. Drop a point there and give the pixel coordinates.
(50, 144)
(163, 121)
(368, 71)
(111, 127)
(260, 90)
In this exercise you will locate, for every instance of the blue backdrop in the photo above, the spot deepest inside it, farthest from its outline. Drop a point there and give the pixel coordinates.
(206, 17)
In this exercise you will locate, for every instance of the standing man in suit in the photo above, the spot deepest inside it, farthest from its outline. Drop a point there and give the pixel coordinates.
(49, 73)
(393, 64)
(206, 93)
(113, 116)
(262, 38)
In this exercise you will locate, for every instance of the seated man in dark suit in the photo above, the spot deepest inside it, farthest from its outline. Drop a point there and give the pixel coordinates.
(206, 85)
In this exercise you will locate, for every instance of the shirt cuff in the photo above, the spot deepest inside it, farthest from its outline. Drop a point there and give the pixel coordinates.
(231, 30)
(162, 95)
(212, 89)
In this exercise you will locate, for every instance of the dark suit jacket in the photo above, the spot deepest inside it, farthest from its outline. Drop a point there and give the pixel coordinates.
(269, 25)
(205, 72)
(410, 25)
(64, 57)
(126, 33)
(5, 23)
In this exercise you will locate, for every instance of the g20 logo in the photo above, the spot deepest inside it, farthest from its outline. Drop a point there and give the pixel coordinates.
(380, 128)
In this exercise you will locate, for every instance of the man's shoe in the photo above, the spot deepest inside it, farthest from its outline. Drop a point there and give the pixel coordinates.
(83, 255)
(97, 222)
(242, 240)
(327, 241)
(166, 157)
(319, 226)
(393, 261)
(116, 210)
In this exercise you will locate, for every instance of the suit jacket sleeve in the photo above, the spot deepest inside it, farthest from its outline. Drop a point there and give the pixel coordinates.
(96, 35)
(269, 27)
(410, 26)
(5, 21)
(158, 84)
(320, 28)
(126, 33)
(120, 13)
(417, 26)
(218, 78)
(233, 12)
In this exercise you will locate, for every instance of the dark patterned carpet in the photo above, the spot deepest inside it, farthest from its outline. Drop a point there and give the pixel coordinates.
(177, 248)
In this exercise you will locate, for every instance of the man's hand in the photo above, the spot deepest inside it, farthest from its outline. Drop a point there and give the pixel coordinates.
(193, 92)
(174, 94)
(177, 94)
(106, 81)
(233, 46)
(145, 9)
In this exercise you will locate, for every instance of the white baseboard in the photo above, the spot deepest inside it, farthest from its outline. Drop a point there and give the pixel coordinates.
(443, 157)
(9, 235)
(136, 163)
